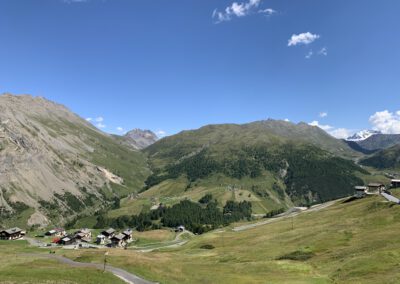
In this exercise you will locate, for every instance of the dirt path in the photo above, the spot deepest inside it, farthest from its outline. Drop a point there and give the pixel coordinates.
(177, 242)
(120, 273)
(284, 216)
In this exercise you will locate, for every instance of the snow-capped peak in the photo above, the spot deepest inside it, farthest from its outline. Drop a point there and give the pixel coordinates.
(362, 135)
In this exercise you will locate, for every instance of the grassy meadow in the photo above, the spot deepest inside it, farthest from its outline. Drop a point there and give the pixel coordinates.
(346, 243)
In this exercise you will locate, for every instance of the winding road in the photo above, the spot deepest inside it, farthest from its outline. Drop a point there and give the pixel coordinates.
(120, 273)
(284, 216)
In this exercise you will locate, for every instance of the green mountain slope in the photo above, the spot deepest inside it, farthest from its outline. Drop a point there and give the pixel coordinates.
(385, 159)
(276, 162)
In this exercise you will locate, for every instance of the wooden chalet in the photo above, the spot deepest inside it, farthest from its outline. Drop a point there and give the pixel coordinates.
(360, 191)
(109, 233)
(128, 235)
(100, 239)
(56, 232)
(12, 234)
(376, 188)
(118, 240)
(395, 183)
(68, 240)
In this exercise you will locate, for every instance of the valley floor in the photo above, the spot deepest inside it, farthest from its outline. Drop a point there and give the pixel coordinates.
(344, 243)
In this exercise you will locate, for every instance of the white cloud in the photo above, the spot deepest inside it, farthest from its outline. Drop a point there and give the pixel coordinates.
(89, 119)
(267, 11)
(309, 54)
(323, 51)
(99, 119)
(323, 114)
(303, 38)
(239, 10)
(324, 127)
(100, 125)
(386, 122)
(287, 120)
(161, 133)
(74, 1)
(341, 133)
(120, 129)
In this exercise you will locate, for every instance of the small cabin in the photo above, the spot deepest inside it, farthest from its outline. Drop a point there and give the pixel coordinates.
(100, 239)
(118, 240)
(69, 240)
(180, 228)
(395, 183)
(109, 233)
(128, 235)
(56, 232)
(376, 188)
(360, 191)
(12, 234)
(83, 234)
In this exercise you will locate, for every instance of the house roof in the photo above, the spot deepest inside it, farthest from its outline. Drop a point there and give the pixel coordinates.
(127, 232)
(119, 237)
(375, 184)
(109, 231)
(360, 187)
(395, 180)
(13, 230)
(66, 239)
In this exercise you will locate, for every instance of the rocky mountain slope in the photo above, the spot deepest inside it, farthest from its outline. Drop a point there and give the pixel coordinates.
(380, 141)
(53, 164)
(138, 138)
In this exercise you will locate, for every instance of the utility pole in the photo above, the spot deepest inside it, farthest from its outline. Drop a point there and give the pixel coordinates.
(105, 261)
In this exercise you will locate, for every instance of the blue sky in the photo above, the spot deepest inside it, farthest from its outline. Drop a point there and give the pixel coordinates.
(175, 65)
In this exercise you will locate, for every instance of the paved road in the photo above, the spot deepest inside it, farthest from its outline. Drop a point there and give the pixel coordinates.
(284, 216)
(390, 198)
(120, 273)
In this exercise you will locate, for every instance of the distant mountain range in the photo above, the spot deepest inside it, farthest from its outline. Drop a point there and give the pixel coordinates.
(56, 166)
(362, 135)
(138, 139)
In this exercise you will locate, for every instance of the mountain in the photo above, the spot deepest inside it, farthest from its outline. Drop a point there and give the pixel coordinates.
(362, 135)
(139, 139)
(269, 163)
(55, 165)
(385, 159)
(380, 141)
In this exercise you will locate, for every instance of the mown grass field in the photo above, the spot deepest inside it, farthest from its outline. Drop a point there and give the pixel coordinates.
(20, 264)
(346, 243)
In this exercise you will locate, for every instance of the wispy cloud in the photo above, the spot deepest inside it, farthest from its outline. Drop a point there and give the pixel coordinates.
(303, 38)
(322, 126)
(240, 10)
(120, 129)
(323, 114)
(323, 51)
(309, 54)
(385, 121)
(339, 133)
(267, 11)
(89, 119)
(74, 1)
(161, 133)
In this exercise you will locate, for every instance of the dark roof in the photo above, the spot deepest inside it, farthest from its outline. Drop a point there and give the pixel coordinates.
(13, 231)
(127, 232)
(119, 237)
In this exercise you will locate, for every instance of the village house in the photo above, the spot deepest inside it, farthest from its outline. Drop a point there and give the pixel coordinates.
(56, 232)
(84, 235)
(12, 234)
(68, 240)
(376, 188)
(360, 191)
(118, 240)
(109, 233)
(128, 235)
(180, 228)
(100, 240)
(395, 183)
